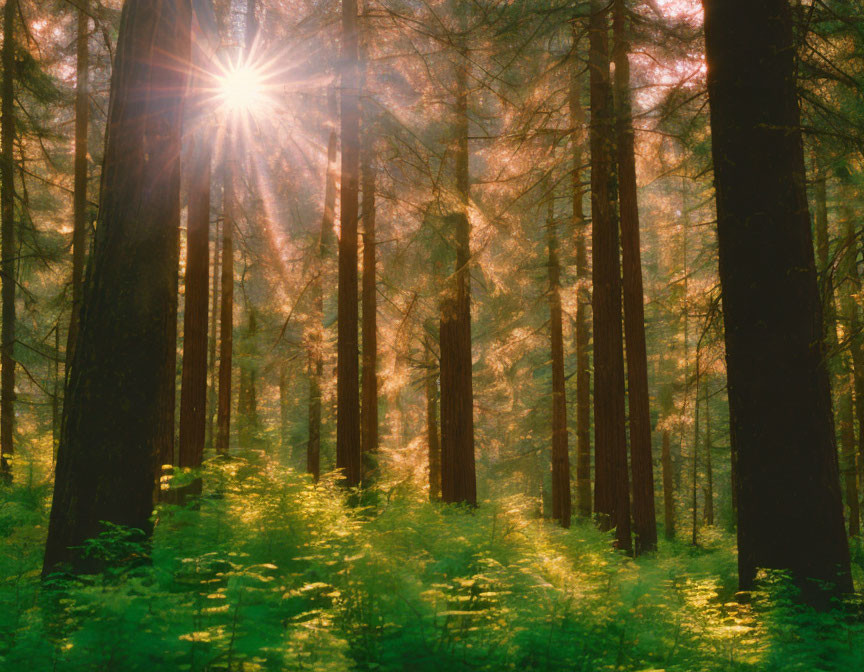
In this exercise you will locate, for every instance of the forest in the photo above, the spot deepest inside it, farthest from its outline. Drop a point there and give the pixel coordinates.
(410, 335)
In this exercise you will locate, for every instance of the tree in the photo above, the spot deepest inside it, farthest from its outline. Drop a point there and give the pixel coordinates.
(106, 463)
(369, 407)
(226, 309)
(348, 456)
(7, 232)
(433, 443)
(611, 486)
(790, 514)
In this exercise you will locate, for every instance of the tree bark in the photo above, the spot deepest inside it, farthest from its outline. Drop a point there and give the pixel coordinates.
(583, 302)
(226, 312)
(458, 471)
(7, 233)
(79, 198)
(561, 502)
(348, 456)
(709, 464)
(106, 463)
(642, 463)
(211, 357)
(790, 512)
(611, 489)
(193, 386)
(369, 407)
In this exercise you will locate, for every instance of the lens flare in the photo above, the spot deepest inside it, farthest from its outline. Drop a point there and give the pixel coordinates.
(242, 89)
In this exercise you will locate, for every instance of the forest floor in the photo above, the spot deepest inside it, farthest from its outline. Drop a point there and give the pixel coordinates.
(270, 572)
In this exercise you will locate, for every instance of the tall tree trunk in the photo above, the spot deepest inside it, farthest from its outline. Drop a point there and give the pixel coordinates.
(348, 456)
(642, 464)
(432, 441)
(458, 473)
(611, 487)
(226, 312)
(561, 502)
(709, 464)
(790, 512)
(211, 357)
(7, 232)
(55, 396)
(79, 198)
(369, 407)
(316, 339)
(583, 301)
(694, 486)
(112, 417)
(193, 390)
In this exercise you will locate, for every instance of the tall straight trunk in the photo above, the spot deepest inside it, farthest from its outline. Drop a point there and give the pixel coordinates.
(709, 464)
(458, 472)
(55, 396)
(842, 373)
(193, 386)
(211, 356)
(790, 512)
(694, 486)
(583, 302)
(561, 502)
(857, 348)
(432, 440)
(316, 340)
(369, 407)
(846, 411)
(348, 456)
(112, 416)
(226, 312)
(79, 198)
(7, 233)
(642, 463)
(611, 488)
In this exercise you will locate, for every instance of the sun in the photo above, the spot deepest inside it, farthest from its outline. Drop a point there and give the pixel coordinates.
(242, 89)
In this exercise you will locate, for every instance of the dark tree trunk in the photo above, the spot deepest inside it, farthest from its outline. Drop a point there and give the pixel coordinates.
(369, 407)
(642, 464)
(226, 312)
(79, 198)
(213, 340)
(432, 440)
(583, 303)
(348, 456)
(7, 232)
(193, 386)
(458, 475)
(611, 488)
(561, 502)
(106, 463)
(709, 464)
(790, 512)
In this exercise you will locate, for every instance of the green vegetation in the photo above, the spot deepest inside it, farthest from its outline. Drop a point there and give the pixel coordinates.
(270, 572)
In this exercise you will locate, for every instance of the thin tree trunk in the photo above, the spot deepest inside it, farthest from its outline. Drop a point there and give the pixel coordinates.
(561, 502)
(348, 456)
(55, 397)
(226, 313)
(113, 414)
(790, 511)
(211, 357)
(369, 407)
(458, 472)
(611, 489)
(644, 516)
(694, 504)
(193, 390)
(668, 488)
(79, 198)
(583, 303)
(432, 441)
(284, 410)
(709, 464)
(7, 232)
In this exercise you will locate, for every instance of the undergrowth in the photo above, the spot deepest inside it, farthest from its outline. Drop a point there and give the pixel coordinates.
(267, 571)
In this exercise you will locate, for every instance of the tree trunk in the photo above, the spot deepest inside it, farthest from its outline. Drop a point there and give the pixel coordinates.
(583, 302)
(79, 198)
(709, 464)
(369, 407)
(790, 512)
(7, 233)
(611, 487)
(348, 456)
(644, 516)
(193, 390)
(458, 472)
(106, 463)
(226, 312)
(284, 411)
(561, 502)
(432, 441)
(211, 357)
